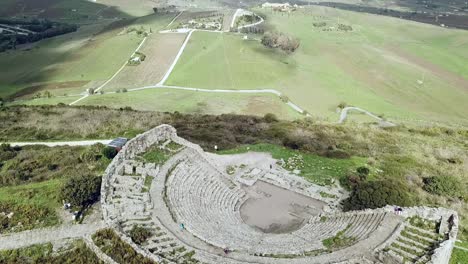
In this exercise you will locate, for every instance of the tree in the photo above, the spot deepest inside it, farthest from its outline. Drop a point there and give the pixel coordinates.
(82, 190)
(375, 194)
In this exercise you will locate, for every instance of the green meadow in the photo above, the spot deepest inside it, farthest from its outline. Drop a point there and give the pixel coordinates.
(395, 68)
(195, 102)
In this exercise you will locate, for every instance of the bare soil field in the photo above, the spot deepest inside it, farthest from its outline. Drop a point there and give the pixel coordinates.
(228, 14)
(160, 51)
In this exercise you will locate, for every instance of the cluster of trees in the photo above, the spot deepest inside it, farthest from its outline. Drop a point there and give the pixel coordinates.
(319, 24)
(280, 40)
(41, 29)
(344, 27)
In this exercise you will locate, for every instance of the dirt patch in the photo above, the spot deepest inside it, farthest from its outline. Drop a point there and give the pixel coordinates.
(264, 104)
(48, 86)
(272, 209)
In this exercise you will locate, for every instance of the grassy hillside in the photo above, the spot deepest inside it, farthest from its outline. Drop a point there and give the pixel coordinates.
(431, 161)
(195, 102)
(397, 68)
(31, 178)
(71, 63)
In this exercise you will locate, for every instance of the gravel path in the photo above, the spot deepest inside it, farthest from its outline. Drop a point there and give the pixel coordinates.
(61, 143)
(45, 235)
(344, 115)
(181, 50)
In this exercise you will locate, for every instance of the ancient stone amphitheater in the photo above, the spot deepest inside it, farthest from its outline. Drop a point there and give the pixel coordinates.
(246, 208)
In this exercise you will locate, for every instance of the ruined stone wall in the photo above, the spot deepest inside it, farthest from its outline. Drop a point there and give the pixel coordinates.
(133, 147)
(444, 251)
(441, 254)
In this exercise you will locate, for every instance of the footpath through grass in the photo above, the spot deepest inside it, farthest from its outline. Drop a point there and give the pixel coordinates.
(316, 169)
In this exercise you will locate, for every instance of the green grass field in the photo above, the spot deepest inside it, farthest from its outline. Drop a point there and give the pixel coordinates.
(317, 169)
(376, 66)
(195, 102)
(459, 256)
(46, 101)
(35, 204)
(91, 55)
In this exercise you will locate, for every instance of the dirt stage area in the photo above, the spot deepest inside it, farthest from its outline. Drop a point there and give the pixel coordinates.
(160, 51)
(276, 210)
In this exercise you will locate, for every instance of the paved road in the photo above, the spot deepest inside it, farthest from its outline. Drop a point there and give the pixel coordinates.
(62, 143)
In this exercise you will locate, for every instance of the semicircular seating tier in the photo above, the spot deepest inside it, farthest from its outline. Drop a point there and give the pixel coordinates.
(208, 205)
(192, 189)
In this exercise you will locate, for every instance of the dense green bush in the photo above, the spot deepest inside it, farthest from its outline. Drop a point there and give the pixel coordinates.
(109, 152)
(375, 194)
(111, 244)
(139, 234)
(81, 190)
(270, 118)
(445, 185)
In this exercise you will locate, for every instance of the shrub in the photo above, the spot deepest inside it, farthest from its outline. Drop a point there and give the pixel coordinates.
(109, 152)
(124, 90)
(445, 185)
(375, 194)
(284, 98)
(363, 172)
(139, 234)
(337, 154)
(82, 190)
(270, 118)
(111, 244)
